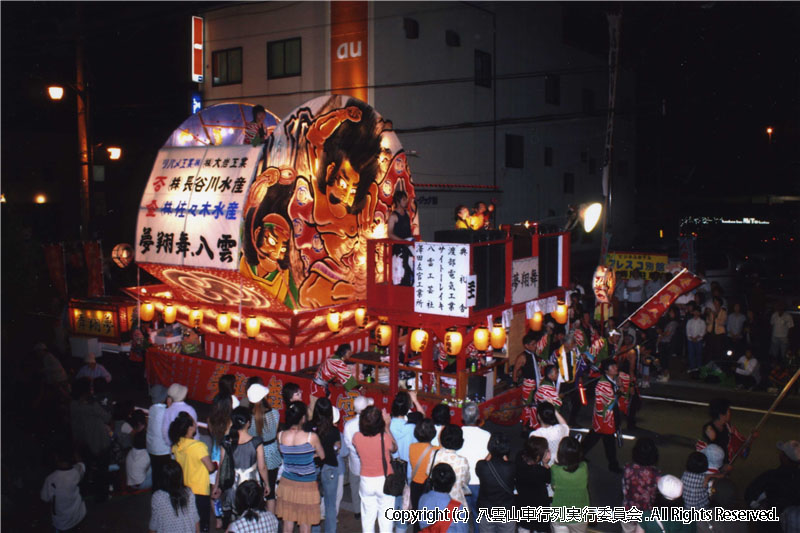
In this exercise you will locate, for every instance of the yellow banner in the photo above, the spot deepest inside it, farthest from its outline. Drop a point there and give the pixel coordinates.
(630, 261)
(98, 322)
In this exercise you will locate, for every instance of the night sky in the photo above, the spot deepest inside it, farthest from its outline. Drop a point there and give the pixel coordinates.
(710, 78)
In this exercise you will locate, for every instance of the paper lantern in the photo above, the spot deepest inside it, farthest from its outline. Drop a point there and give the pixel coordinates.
(195, 317)
(452, 342)
(498, 337)
(148, 311)
(122, 255)
(334, 321)
(480, 338)
(223, 322)
(419, 340)
(361, 317)
(535, 322)
(603, 284)
(560, 314)
(252, 326)
(383, 334)
(170, 313)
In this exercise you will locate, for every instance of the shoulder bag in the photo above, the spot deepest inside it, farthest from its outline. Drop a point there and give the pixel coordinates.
(396, 481)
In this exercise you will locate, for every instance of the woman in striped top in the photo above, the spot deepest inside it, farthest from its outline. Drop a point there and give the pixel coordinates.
(298, 494)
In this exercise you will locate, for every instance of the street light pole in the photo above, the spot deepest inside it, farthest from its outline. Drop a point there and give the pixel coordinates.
(83, 138)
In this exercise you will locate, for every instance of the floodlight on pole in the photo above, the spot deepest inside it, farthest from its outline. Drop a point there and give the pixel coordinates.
(55, 92)
(114, 152)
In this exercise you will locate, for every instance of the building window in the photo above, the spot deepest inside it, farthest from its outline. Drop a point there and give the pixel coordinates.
(622, 168)
(411, 27)
(483, 69)
(592, 166)
(226, 66)
(552, 89)
(588, 101)
(515, 151)
(284, 58)
(569, 183)
(548, 156)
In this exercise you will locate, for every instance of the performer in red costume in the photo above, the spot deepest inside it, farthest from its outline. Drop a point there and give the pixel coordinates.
(334, 369)
(604, 424)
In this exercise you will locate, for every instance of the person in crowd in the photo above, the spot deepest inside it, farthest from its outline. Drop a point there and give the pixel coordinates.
(399, 222)
(634, 289)
(497, 477)
(138, 469)
(250, 507)
(462, 217)
(219, 423)
(334, 369)
(264, 424)
(252, 380)
(572, 368)
(255, 132)
(452, 440)
(177, 394)
(639, 479)
(403, 432)
(628, 399)
(546, 392)
(482, 216)
(157, 447)
(91, 435)
(780, 322)
(533, 478)
(192, 455)
(128, 421)
(354, 461)
(442, 480)
(695, 331)
(60, 489)
(226, 389)
(720, 431)
(604, 423)
(374, 443)
(552, 428)
(441, 417)
(421, 455)
(322, 423)
(778, 487)
(297, 495)
(570, 482)
(475, 448)
(247, 452)
(695, 482)
(747, 373)
(291, 392)
(653, 285)
(92, 369)
(735, 328)
(670, 490)
(173, 508)
(667, 343)
(716, 321)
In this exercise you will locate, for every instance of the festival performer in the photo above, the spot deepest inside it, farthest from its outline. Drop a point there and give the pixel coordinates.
(721, 432)
(547, 390)
(462, 217)
(604, 424)
(628, 395)
(572, 366)
(334, 369)
(529, 367)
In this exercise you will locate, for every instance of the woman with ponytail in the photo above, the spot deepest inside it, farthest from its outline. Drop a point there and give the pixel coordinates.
(250, 506)
(172, 508)
(264, 424)
(247, 453)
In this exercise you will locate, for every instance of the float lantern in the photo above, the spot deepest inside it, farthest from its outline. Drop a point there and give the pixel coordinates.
(195, 317)
(560, 314)
(452, 342)
(334, 321)
(498, 336)
(253, 326)
(223, 322)
(419, 340)
(148, 311)
(480, 338)
(383, 334)
(170, 313)
(361, 317)
(535, 322)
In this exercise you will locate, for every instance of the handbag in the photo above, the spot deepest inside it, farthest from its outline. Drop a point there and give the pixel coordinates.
(497, 477)
(227, 472)
(395, 482)
(428, 482)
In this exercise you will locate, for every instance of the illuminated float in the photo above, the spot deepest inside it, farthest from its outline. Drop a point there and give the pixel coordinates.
(277, 253)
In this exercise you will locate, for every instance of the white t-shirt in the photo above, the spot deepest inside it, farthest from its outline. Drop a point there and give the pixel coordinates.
(62, 486)
(749, 368)
(350, 429)
(781, 324)
(553, 435)
(475, 448)
(635, 288)
(137, 463)
(435, 440)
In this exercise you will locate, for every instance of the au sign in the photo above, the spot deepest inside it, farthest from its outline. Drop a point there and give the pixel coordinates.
(348, 50)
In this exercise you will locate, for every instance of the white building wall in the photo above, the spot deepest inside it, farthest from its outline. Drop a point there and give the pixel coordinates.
(443, 119)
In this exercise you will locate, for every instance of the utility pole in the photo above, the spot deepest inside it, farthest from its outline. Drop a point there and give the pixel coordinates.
(83, 134)
(614, 22)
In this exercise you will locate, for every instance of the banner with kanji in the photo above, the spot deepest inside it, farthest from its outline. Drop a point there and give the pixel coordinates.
(191, 209)
(56, 266)
(629, 261)
(649, 313)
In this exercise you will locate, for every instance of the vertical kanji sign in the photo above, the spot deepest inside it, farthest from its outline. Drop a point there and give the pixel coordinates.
(197, 49)
(441, 278)
(524, 280)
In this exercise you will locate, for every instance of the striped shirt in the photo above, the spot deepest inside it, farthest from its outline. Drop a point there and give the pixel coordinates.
(298, 461)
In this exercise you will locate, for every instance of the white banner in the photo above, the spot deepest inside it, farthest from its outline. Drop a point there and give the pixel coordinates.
(441, 278)
(191, 210)
(524, 279)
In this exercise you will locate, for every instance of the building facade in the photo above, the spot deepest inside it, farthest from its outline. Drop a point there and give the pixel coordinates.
(492, 101)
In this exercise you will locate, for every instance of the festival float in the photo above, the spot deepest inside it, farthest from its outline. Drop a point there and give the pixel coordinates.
(269, 256)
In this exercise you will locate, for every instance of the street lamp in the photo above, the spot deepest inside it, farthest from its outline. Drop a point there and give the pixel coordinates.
(769, 134)
(114, 152)
(55, 92)
(40, 199)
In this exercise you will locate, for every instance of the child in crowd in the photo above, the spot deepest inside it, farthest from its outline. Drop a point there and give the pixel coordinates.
(137, 464)
(695, 481)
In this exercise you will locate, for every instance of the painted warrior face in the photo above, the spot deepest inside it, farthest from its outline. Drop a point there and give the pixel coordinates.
(274, 245)
(342, 188)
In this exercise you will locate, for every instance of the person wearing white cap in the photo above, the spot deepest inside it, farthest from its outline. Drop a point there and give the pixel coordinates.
(93, 370)
(656, 520)
(264, 424)
(354, 464)
(177, 393)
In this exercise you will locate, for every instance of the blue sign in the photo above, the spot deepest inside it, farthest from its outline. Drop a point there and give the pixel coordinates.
(197, 102)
